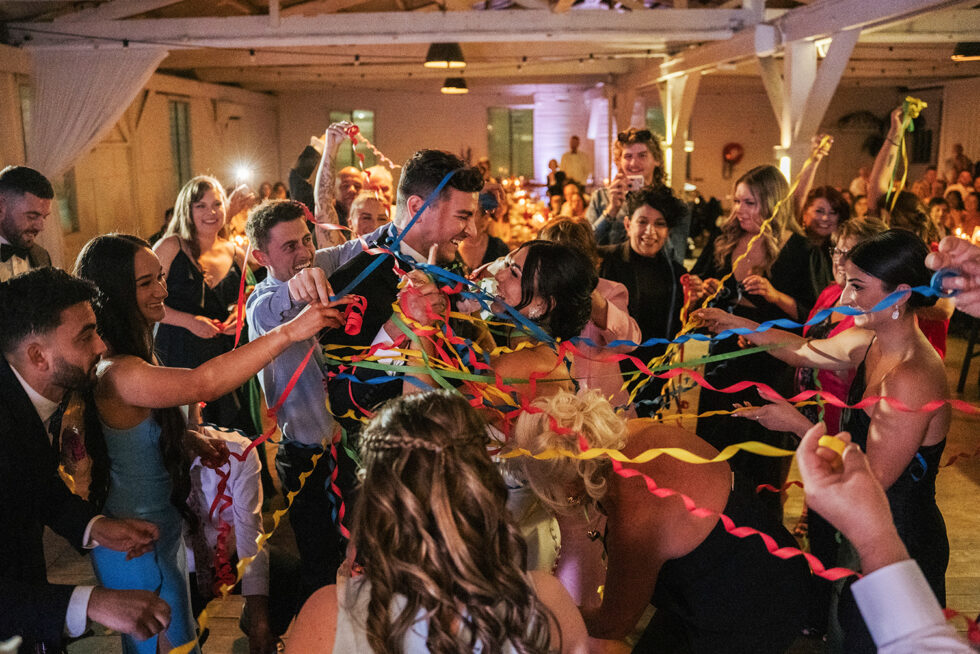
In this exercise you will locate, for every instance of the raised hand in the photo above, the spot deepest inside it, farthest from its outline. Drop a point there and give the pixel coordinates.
(314, 318)
(310, 285)
(843, 490)
(203, 327)
(962, 256)
(241, 199)
(717, 321)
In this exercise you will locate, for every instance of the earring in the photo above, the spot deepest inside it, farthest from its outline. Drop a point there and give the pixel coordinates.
(895, 314)
(534, 314)
(574, 500)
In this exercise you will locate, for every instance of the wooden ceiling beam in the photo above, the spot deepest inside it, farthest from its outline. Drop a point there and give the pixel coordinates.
(604, 26)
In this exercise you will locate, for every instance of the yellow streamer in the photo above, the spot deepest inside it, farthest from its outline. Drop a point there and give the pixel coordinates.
(260, 541)
(679, 453)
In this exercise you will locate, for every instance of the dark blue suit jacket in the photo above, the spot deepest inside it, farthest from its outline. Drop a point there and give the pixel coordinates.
(32, 495)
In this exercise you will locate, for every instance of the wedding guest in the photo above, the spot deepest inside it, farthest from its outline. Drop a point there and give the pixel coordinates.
(145, 433)
(284, 245)
(443, 563)
(204, 270)
(50, 349)
(712, 592)
(25, 204)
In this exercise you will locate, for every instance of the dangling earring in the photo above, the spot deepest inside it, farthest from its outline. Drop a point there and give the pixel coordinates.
(895, 313)
(534, 314)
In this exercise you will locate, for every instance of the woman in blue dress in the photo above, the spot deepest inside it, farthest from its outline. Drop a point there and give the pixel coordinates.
(146, 474)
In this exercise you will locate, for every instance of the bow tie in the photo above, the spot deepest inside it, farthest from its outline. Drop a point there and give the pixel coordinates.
(7, 250)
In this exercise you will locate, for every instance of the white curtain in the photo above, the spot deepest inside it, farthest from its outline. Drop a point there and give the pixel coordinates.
(78, 96)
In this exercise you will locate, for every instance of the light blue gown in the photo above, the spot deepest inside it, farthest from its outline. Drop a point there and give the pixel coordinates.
(139, 487)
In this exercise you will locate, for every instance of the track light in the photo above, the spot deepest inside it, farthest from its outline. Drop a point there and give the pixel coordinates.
(444, 55)
(454, 86)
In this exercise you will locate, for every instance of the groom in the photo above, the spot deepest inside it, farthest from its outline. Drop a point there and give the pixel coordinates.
(49, 346)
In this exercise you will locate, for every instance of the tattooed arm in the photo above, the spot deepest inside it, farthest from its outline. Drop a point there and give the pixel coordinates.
(324, 188)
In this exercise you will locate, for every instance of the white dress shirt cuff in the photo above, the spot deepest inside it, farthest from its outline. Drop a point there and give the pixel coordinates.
(76, 620)
(87, 541)
(896, 601)
(386, 356)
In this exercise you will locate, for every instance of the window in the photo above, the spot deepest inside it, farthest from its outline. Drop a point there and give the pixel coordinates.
(180, 139)
(510, 136)
(364, 119)
(656, 122)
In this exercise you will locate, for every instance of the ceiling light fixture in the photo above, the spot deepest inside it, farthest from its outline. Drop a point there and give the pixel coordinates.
(454, 86)
(966, 51)
(444, 55)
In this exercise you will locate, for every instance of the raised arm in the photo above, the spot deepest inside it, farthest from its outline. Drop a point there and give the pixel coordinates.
(138, 383)
(881, 172)
(820, 148)
(325, 175)
(839, 352)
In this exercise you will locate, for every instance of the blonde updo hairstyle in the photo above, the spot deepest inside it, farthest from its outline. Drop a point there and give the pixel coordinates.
(586, 414)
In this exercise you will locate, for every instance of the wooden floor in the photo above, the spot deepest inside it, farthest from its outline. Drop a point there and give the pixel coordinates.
(958, 490)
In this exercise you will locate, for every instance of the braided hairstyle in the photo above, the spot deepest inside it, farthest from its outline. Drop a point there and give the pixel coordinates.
(431, 525)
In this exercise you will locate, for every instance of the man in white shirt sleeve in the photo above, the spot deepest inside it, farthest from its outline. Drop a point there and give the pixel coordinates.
(899, 608)
(264, 618)
(50, 346)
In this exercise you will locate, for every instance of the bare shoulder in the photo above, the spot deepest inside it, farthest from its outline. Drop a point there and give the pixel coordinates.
(167, 248)
(315, 628)
(921, 378)
(520, 363)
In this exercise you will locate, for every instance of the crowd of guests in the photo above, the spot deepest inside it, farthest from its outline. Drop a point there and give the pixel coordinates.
(355, 313)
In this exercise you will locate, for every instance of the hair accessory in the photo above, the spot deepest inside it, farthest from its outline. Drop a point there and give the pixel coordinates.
(938, 279)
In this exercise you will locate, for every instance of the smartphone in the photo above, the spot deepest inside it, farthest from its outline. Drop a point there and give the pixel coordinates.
(635, 182)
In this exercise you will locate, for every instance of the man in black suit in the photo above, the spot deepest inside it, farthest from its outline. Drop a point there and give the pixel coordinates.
(25, 204)
(49, 347)
(446, 221)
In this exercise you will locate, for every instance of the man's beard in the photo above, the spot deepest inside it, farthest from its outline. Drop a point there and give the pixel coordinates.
(72, 377)
(13, 237)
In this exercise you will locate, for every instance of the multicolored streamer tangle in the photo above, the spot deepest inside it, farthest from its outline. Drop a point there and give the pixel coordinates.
(462, 360)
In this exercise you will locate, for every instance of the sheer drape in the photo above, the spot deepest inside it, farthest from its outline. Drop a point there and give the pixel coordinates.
(78, 96)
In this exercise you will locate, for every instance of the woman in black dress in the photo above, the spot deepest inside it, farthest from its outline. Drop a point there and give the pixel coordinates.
(893, 358)
(204, 271)
(771, 280)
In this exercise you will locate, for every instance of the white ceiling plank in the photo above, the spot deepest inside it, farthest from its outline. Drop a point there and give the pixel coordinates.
(319, 7)
(398, 27)
(116, 9)
(262, 75)
(813, 21)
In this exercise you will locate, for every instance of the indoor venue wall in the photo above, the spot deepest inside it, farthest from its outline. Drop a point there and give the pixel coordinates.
(961, 118)
(403, 121)
(129, 180)
(737, 110)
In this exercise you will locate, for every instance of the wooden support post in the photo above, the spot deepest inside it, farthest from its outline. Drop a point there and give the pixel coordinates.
(677, 96)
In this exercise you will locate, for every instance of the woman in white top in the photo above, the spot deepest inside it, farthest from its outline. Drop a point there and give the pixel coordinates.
(443, 564)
